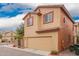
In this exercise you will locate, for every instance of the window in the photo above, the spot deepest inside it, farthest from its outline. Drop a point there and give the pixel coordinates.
(73, 28)
(30, 21)
(48, 17)
(64, 19)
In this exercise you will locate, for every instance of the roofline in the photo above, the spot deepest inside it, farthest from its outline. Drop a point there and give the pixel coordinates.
(48, 6)
(56, 6)
(29, 13)
(52, 6)
(67, 12)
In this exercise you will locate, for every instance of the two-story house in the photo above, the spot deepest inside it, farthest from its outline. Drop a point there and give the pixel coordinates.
(49, 27)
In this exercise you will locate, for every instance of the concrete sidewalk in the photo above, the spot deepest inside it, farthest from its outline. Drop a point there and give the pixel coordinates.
(44, 53)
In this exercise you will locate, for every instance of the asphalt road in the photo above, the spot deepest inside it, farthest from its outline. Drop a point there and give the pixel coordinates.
(5, 51)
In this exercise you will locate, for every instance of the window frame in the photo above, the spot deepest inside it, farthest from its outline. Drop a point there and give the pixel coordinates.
(27, 21)
(45, 15)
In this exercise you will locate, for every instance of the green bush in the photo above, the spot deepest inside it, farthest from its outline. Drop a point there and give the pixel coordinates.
(77, 51)
(75, 48)
(71, 48)
(54, 52)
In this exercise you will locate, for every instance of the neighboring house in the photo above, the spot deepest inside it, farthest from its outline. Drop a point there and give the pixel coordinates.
(49, 27)
(8, 36)
(76, 32)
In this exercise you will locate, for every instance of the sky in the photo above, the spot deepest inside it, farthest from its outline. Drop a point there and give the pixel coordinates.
(11, 14)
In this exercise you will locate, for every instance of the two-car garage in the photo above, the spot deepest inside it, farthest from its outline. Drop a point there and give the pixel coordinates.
(41, 43)
(46, 43)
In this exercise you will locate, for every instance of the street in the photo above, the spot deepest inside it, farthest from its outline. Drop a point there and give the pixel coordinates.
(5, 51)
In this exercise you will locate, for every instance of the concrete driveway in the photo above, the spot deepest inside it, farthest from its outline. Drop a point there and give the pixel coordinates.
(5, 51)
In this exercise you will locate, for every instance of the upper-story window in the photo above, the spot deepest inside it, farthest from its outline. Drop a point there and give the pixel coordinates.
(48, 17)
(30, 21)
(64, 19)
(73, 28)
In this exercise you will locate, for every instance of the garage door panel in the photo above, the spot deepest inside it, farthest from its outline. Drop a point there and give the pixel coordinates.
(42, 43)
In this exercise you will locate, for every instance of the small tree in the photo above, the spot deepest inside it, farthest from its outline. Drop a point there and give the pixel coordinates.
(19, 32)
(0, 36)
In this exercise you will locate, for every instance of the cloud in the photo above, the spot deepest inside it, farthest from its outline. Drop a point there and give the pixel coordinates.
(14, 9)
(10, 23)
(77, 20)
(11, 14)
(73, 9)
